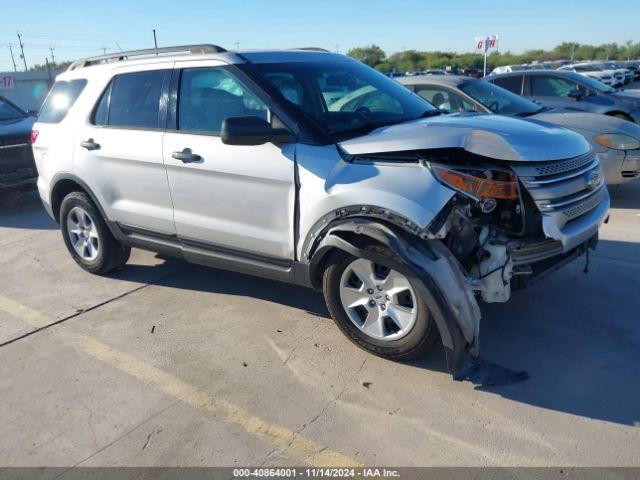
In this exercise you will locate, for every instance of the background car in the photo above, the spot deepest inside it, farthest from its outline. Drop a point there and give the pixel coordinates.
(557, 89)
(622, 74)
(17, 167)
(588, 70)
(509, 69)
(616, 141)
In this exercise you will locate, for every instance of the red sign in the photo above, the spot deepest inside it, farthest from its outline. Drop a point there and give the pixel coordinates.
(6, 82)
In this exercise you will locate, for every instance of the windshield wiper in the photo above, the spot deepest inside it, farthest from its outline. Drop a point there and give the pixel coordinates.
(431, 113)
(362, 129)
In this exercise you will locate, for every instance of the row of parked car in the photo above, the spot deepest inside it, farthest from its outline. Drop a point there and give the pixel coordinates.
(309, 167)
(607, 118)
(615, 74)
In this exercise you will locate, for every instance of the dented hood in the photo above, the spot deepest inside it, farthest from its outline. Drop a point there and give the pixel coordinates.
(492, 136)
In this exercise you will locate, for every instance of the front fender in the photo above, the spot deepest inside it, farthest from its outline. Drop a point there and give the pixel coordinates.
(443, 284)
(331, 187)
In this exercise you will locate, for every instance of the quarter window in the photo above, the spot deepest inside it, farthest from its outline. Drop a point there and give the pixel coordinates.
(60, 99)
(208, 96)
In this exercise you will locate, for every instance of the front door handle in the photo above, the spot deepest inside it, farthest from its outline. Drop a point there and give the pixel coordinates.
(186, 156)
(90, 144)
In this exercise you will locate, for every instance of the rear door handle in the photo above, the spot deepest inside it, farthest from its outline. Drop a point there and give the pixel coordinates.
(90, 144)
(186, 156)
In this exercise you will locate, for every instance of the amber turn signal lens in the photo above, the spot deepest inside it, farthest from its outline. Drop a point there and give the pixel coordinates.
(477, 187)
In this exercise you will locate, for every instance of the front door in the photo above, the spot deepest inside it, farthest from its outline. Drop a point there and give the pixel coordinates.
(236, 199)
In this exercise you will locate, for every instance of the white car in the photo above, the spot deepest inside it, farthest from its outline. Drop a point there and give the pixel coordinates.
(589, 70)
(403, 216)
(509, 69)
(622, 75)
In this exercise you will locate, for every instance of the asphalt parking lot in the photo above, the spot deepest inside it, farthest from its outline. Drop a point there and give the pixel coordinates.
(167, 364)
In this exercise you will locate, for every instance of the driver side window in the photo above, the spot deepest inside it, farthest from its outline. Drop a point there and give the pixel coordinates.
(207, 96)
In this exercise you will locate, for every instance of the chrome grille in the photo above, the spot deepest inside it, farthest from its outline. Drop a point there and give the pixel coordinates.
(565, 189)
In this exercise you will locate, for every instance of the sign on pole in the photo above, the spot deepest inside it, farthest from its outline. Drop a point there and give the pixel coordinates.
(483, 45)
(6, 81)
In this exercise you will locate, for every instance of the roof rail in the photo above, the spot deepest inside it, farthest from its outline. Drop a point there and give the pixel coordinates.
(120, 56)
(313, 49)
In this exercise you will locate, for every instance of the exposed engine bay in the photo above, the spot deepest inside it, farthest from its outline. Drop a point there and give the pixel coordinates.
(492, 225)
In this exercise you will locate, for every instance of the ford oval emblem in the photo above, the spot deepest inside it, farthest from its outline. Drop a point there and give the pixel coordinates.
(593, 180)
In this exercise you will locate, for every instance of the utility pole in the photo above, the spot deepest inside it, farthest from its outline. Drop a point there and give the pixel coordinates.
(155, 41)
(337, 48)
(237, 44)
(46, 61)
(15, 69)
(53, 57)
(22, 50)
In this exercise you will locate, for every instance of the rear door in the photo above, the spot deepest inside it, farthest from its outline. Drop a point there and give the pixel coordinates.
(118, 151)
(231, 200)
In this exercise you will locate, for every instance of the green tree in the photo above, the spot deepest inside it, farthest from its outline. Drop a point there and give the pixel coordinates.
(372, 55)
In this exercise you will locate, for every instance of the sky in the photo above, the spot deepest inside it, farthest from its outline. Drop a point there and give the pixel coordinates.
(78, 29)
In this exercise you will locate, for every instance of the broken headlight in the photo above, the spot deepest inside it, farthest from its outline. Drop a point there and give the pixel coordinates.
(480, 185)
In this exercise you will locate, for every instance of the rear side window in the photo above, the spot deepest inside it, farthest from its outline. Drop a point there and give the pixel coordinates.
(511, 83)
(61, 98)
(132, 100)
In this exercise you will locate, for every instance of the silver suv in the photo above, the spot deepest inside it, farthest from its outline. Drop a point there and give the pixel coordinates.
(309, 167)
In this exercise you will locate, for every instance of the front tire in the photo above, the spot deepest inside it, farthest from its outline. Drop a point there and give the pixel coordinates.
(87, 236)
(378, 308)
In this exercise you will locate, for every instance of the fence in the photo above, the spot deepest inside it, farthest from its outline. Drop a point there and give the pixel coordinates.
(26, 89)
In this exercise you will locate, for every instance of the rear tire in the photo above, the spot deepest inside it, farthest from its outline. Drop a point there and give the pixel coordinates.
(87, 237)
(389, 295)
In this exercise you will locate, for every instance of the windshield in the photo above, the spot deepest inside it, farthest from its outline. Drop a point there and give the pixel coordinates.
(344, 97)
(499, 100)
(9, 112)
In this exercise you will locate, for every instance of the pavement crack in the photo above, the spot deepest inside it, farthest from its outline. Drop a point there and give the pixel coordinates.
(91, 308)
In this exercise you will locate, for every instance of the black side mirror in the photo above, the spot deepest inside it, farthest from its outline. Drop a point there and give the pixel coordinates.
(252, 130)
(576, 93)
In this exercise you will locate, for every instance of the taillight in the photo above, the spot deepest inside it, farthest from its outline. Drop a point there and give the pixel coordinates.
(34, 136)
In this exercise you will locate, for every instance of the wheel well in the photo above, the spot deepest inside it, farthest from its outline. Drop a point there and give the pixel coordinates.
(326, 256)
(617, 113)
(60, 190)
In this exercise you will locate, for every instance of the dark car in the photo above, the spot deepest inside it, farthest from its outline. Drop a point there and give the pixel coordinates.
(559, 89)
(17, 168)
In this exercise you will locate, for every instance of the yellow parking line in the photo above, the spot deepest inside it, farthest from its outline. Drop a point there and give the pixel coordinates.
(291, 443)
(29, 315)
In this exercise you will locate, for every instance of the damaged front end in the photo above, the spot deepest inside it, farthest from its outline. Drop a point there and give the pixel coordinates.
(508, 223)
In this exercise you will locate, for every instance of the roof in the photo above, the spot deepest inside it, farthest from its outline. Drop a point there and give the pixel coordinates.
(453, 80)
(199, 52)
